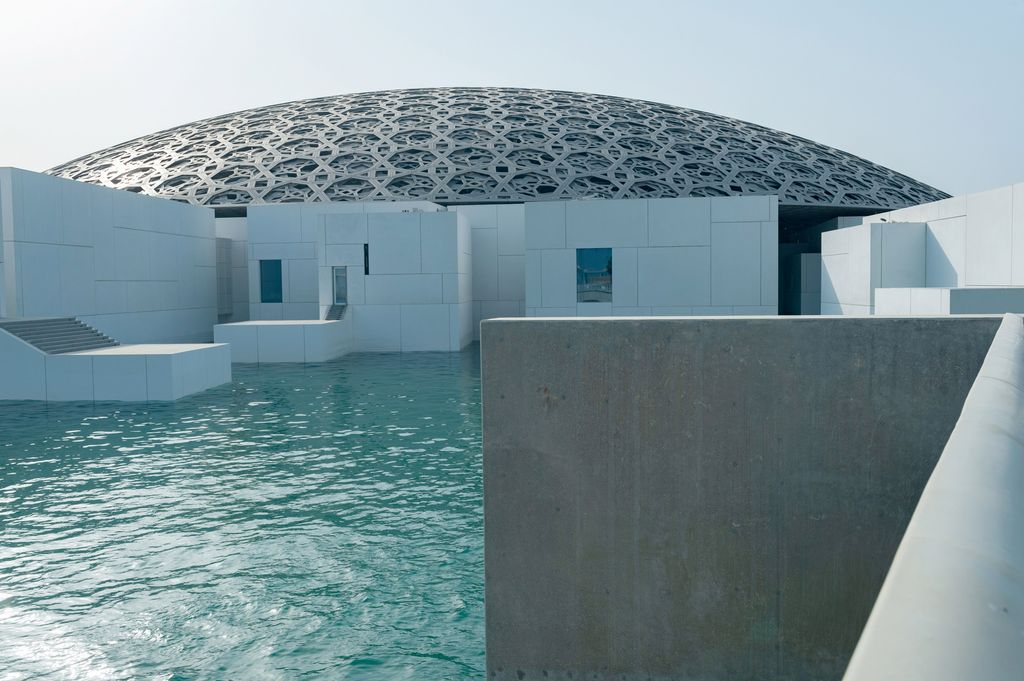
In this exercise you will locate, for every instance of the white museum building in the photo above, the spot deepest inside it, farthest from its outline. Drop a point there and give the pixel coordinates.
(396, 221)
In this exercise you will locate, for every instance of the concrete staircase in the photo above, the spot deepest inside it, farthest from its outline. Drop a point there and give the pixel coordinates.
(58, 335)
(335, 312)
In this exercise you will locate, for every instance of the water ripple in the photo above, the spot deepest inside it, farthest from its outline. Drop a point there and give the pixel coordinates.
(304, 522)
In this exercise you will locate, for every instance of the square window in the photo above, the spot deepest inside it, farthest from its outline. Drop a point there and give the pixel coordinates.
(270, 281)
(593, 275)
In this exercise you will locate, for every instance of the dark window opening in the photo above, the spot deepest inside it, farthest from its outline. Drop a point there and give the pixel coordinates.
(366, 258)
(593, 275)
(270, 281)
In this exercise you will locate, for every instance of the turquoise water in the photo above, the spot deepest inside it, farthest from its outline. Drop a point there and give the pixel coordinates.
(304, 522)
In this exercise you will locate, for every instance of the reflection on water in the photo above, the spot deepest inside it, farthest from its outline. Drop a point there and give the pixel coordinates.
(321, 521)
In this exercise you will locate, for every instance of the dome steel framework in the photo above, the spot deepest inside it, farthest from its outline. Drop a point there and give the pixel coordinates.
(479, 145)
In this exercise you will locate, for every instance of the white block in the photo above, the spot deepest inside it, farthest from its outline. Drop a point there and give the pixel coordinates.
(864, 265)
(450, 288)
(281, 343)
(511, 277)
(303, 282)
(927, 302)
(77, 281)
(377, 328)
(593, 309)
(680, 222)
(68, 377)
(740, 209)
(952, 207)
(480, 217)
(327, 341)
(989, 231)
(425, 328)
(76, 214)
(558, 278)
(439, 242)
(38, 272)
(624, 277)
(511, 229)
(269, 252)
(679, 276)
(120, 378)
(902, 262)
(491, 309)
(485, 264)
(736, 263)
(532, 278)
(23, 370)
(555, 312)
(165, 378)
(348, 255)
(393, 289)
(770, 264)
(892, 302)
(835, 242)
(300, 251)
(605, 224)
(242, 339)
(545, 224)
(274, 223)
(356, 287)
(394, 243)
(131, 250)
(631, 311)
(1017, 236)
(672, 311)
(301, 311)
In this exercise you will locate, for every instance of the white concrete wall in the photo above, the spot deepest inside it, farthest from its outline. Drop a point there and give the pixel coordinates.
(975, 240)
(499, 257)
(685, 256)
(139, 269)
(302, 341)
(926, 302)
(855, 261)
(417, 295)
(800, 284)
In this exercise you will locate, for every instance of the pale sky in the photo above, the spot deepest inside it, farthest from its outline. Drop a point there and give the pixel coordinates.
(933, 89)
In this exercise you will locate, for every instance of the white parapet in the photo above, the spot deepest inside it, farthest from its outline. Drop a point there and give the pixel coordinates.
(294, 340)
(952, 606)
(926, 302)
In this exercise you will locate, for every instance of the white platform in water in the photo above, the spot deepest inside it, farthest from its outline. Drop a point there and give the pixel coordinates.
(123, 373)
(289, 340)
(150, 372)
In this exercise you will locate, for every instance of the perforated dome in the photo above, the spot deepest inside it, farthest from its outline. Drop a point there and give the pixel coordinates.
(478, 145)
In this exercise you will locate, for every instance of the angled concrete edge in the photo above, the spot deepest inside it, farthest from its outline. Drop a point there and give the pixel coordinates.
(952, 606)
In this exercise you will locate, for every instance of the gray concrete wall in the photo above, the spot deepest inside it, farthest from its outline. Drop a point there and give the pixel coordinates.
(952, 606)
(705, 498)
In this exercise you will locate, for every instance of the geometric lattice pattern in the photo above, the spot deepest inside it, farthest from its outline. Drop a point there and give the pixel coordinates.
(473, 145)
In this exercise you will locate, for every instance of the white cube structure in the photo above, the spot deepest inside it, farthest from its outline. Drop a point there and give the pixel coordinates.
(138, 268)
(960, 255)
(684, 256)
(297, 340)
(406, 269)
